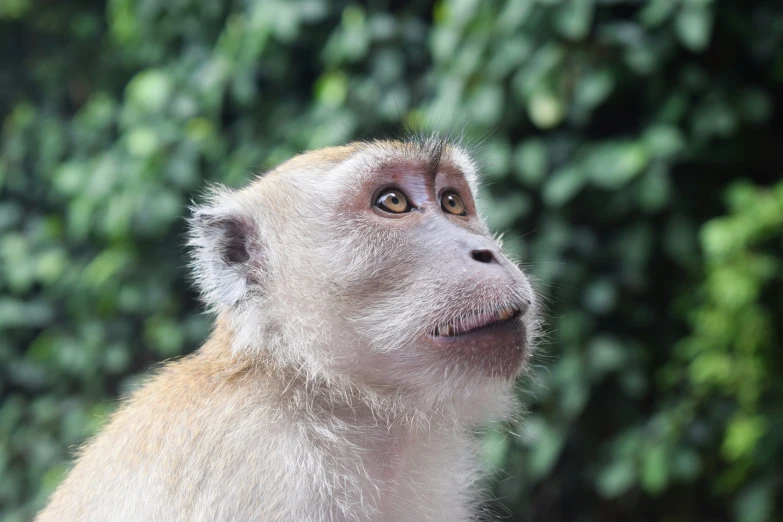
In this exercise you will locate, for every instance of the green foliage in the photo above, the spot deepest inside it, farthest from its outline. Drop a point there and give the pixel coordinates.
(610, 133)
(723, 367)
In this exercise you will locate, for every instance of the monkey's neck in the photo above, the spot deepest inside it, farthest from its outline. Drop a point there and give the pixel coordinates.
(377, 446)
(321, 396)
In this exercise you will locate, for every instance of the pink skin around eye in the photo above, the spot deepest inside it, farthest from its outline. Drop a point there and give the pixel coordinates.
(422, 190)
(414, 183)
(420, 187)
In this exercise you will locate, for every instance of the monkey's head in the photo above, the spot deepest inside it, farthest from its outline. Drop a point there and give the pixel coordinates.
(370, 263)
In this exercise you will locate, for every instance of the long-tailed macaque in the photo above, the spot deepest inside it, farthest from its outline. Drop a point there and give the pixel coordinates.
(367, 323)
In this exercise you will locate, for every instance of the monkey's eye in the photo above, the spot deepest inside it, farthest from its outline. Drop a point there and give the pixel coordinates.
(393, 201)
(452, 203)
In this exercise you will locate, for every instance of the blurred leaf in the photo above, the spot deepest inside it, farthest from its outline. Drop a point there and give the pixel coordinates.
(694, 26)
(332, 89)
(600, 297)
(531, 162)
(742, 435)
(149, 91)
(756, 503)
(545, 443)
(614, 164)
(605, 354)
(616, 479)
(655, 469)
(573, 18)
(546, 110)
(664, 141)
(563, 185)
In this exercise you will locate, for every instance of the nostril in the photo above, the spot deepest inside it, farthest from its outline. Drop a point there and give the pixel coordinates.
(482, 256)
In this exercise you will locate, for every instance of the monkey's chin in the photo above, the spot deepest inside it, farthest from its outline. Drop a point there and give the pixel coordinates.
(496, 350)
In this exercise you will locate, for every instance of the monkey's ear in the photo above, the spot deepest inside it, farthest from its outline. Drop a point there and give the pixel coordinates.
(227, 255)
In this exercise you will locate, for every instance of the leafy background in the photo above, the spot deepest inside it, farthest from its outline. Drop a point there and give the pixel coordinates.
(632, 151)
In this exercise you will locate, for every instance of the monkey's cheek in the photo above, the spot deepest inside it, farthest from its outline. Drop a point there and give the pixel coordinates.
(498, 351)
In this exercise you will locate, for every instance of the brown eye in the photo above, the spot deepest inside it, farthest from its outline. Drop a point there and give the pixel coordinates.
(452, 203)
(393, 201)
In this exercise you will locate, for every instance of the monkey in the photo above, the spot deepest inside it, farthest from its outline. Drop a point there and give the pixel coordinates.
(366, 324)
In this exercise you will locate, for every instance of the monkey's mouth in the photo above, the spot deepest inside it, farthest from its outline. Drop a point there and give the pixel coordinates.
(474, 323)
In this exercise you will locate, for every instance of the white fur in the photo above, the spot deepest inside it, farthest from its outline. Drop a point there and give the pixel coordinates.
(339, 415)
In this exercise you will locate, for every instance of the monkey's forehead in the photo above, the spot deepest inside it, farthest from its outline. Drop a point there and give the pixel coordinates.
(363, 158)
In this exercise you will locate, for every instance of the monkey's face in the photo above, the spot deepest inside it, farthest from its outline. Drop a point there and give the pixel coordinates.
(369, 262)
(407, 272)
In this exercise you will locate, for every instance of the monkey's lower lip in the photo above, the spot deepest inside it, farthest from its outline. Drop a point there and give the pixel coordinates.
(476, 323)
(493, 348)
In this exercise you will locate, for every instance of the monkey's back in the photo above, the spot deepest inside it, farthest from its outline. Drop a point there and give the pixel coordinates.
(194, 443)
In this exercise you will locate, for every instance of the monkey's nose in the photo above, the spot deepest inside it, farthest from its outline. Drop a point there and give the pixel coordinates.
(483, 256)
